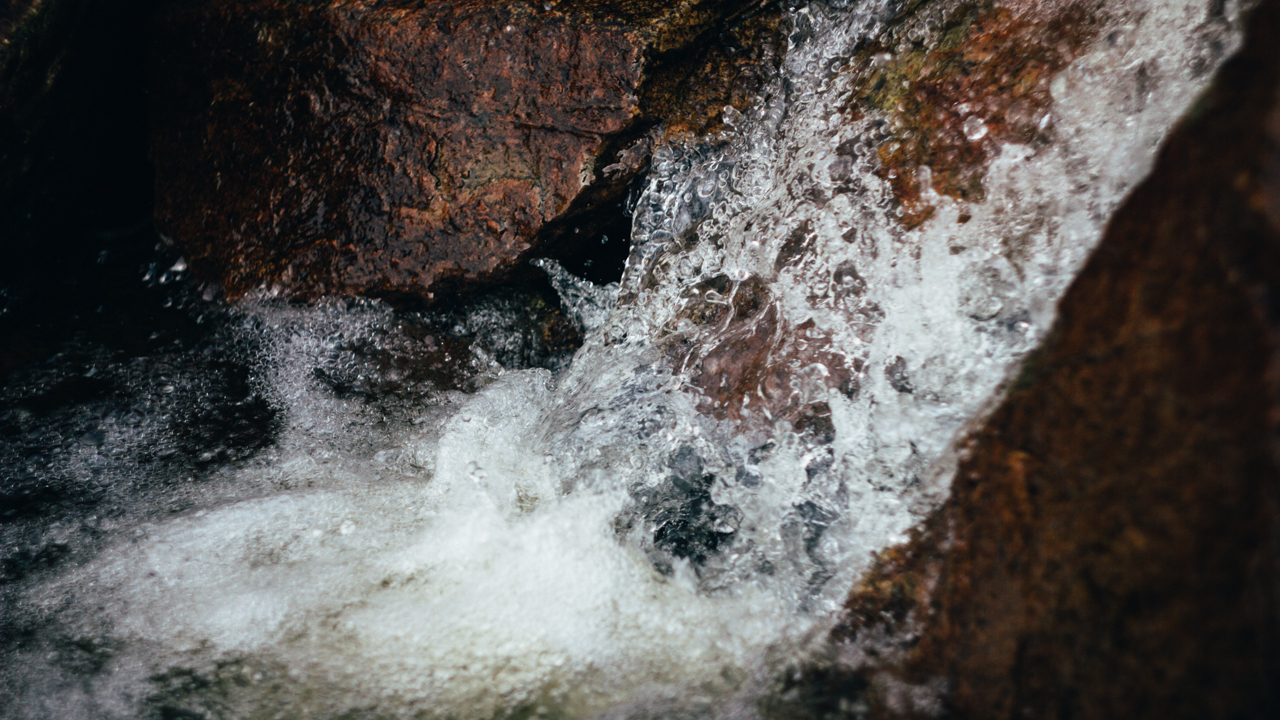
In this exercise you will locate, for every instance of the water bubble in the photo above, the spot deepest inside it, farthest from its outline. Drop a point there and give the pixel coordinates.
(93, 438)
(732, 117)
(794, 405)
(974, 128)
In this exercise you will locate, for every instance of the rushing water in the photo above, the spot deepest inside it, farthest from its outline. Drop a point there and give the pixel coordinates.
(652, 527)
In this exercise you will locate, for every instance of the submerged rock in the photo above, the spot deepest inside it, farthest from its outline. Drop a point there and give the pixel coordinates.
(1109, 545)
(402, 149)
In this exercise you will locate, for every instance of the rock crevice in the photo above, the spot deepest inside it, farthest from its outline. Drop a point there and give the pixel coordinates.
(407, 149)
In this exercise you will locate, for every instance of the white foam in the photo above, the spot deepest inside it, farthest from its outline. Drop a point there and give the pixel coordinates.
(490, 554)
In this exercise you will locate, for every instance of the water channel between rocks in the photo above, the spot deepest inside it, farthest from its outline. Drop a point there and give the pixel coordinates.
(655, 526)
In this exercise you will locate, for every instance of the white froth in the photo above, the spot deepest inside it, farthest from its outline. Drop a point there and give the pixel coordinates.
(467, 559)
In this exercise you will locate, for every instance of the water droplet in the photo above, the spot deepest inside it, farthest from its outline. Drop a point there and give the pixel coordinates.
(974, 128)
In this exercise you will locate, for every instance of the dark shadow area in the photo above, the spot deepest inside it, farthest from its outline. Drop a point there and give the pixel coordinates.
(75, 180)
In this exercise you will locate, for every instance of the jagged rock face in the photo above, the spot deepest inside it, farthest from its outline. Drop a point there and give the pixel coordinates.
(405, 148)
(1109, 548)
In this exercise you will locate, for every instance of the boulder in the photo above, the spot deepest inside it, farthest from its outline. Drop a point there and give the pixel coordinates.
(1111, 544)
(405, 149)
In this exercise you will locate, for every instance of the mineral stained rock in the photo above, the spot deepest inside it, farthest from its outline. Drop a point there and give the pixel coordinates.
(1109, 548)
(950, 106)
(404, 149)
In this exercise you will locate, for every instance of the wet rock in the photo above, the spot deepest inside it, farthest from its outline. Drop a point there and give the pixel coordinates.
(896, 374)
(679, 514)
(949, 83)
(751, 366)
(398, 149)
(1109, 546)
(952, 99)
(416, 356)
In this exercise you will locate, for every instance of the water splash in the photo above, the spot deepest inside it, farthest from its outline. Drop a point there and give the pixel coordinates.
(771, 394)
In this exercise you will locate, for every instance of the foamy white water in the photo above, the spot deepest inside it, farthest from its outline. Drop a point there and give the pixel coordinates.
(607, 540)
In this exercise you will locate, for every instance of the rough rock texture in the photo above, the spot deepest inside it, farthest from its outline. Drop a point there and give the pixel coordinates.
(951, 106)
(1111, 547)
(397, 148)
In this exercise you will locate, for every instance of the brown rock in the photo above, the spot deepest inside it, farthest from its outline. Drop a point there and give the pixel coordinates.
(756, 368)
(951, 101)
(1111, 546)
(399, 148)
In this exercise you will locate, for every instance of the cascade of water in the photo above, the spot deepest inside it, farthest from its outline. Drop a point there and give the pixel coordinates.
(771, 394)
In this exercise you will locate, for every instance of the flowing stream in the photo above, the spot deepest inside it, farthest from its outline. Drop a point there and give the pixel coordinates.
(654, 526)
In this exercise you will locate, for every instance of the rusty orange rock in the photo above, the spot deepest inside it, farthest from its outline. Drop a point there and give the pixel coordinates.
(980, 80)
(1109, 548)
(344, 146)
